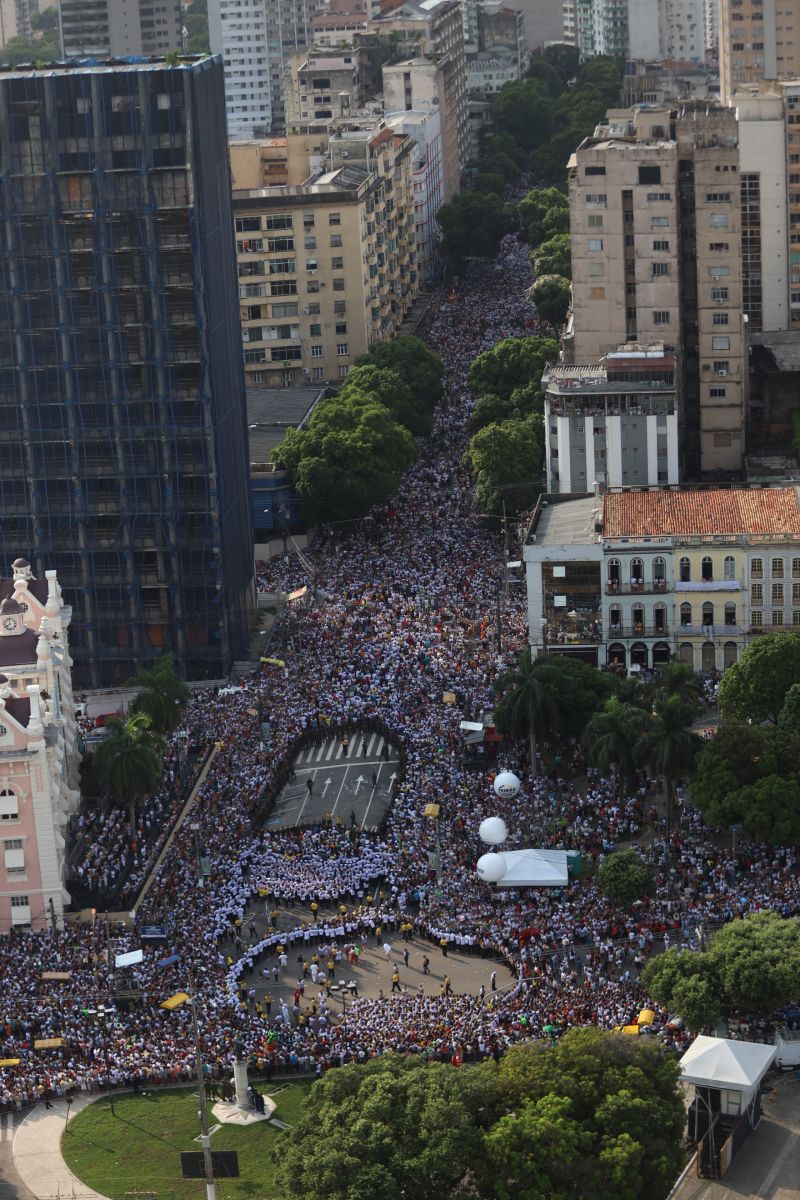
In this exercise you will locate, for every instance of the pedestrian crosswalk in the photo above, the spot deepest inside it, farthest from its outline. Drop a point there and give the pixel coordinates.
(359, 749)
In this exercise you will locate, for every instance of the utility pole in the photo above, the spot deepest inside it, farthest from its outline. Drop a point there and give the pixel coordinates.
(53, 922)
(205, 1137)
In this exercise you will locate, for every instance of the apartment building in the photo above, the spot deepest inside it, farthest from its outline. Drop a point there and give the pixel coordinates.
(425, 130)
(429, 34)
(613, 422)
(256, 39)
(633, 578)
(655, 224)
(322, 86)
(116, 28)
(15, 18)
(673, 30)
(39, 753)
(768, 116)
(758, 39)
(327, 267)
(123, 456)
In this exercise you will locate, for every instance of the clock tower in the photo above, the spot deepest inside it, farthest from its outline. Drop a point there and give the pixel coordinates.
(11, 617)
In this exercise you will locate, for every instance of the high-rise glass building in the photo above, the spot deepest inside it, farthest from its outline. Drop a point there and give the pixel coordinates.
(123, 432)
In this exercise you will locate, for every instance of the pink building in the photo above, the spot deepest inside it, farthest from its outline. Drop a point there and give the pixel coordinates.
(39, 755)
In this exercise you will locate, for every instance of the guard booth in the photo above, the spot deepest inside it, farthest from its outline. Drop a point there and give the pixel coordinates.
(728, 1082)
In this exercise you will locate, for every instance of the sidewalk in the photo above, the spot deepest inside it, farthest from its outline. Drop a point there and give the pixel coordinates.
(37, 1153)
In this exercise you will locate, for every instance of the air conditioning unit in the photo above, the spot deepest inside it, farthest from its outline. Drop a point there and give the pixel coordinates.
(721, 373)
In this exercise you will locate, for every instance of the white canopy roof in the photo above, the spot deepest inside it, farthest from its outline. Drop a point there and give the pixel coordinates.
(535, 868)
(722, 1063)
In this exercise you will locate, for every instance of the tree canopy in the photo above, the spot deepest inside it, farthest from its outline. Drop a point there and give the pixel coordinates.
(387, 387)
(414, 361)
(351, 456)
(473, 224)
(750, 774)
(510, 364)
(611, 738)
(552, 295)
(595, 1115)
(755, 687)
(162, 694)
(624, 877)
(750, 966)
(506, 460)
(129, 761)
(553, 257)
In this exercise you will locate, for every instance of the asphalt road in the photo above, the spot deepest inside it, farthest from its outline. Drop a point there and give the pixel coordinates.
(341, 784)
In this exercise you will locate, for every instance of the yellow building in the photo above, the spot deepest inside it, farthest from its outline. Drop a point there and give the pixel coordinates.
(327, 267)
(710, 598)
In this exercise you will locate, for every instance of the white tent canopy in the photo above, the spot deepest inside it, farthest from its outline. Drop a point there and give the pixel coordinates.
(535, 868)
(722, 1063)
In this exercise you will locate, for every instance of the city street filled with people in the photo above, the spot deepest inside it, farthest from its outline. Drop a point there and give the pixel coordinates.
(402, 618)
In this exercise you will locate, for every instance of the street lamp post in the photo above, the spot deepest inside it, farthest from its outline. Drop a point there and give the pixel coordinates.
(205, 1136)
(103, 1011)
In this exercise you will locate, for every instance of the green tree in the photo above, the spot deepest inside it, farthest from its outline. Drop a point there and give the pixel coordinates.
(688, 985)
(622, 1092)
(472, 225)
(129, 761)
(386, 1128)
(755, 688)
(387, 387)
(524, 109)
(527, 705)
(668, 747)
(553, 257)
(489, 409)
(750, 774)
(679, 680)
(552, 295)
(543, 213)
(624, 877)
(415, 363)
(506, 460)
(566, 59)
(510, 364)
(757, 961)
(162, 694)
(611, 738)
(789, 719)
(351, 456)
(577, 689)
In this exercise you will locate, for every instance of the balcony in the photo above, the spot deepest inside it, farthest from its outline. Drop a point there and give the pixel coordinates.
(707, 585)
(626, 588)
(638, 629)
(710, 632)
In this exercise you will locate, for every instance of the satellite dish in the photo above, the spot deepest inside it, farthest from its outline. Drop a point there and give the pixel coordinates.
(506, 785)
(491, 867)
(493, 831)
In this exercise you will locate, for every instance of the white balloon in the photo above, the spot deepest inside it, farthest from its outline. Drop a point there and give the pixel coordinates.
(493, 831)
(491, 867)
(506, 785)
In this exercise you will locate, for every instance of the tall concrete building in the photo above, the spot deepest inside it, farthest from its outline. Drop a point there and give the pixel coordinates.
(327, 267)
(257, 39)
(656, 257)
(637, 29)
(15, 18)
(115, 28)
(123, 455)
(757, 40)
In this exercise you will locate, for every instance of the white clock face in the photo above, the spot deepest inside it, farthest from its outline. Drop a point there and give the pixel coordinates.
(9, 623)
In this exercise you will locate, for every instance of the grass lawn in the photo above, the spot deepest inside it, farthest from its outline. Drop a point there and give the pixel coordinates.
(138, 1150)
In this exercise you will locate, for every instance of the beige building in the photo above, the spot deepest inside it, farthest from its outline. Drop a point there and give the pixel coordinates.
(116, 28)
(757, 40)
(323, 87)
(655, 224)
(327, 267)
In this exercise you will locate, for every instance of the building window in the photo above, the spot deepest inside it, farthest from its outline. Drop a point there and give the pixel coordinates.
(338, 285)
(597, 293)
(708, 613)
(341, 328)
(719, 295)
(730, 612)
(334, 218)
(315, 330)
(729, 567)
(336, 240)
(343, 369)
(757, 568)
(796, 593)
(686, 615)
(718, 247)
(595, 244)
(318, 373)
(9, 805)
(594, 221)
(757, 618)
(777, 568)
(756, 593)
(310, 243)
(341, 349)
(661, 245)
(658, 197)
(281, 221)
(685, 570)
(248, 224)
(337, 264)
(661, 317)
(707, 570)
(659, 222)
(20, 902)
(718, 198)
(316, 351)
(718, 220)
(777, 616)
(721, 366)
(660, 270)
(717, 393)
(719, 318)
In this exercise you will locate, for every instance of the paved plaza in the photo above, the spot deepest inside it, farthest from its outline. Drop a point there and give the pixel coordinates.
(351, 782)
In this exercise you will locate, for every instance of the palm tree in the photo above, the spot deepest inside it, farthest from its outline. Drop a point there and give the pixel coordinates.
(679, 680)
(527, 707)
(129, 761)
(630, 690)
(668, 747)
(611, 736)
(163, 695)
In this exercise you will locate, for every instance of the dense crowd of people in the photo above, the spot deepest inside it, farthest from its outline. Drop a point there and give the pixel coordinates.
(400, 617)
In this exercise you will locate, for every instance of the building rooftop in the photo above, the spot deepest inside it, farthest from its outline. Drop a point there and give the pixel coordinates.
(664, 513)
(783, 347)
(270, 412)
(106, 66)
(568, 523)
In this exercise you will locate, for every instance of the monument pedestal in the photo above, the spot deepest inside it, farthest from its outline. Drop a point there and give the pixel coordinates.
(238, 1111)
